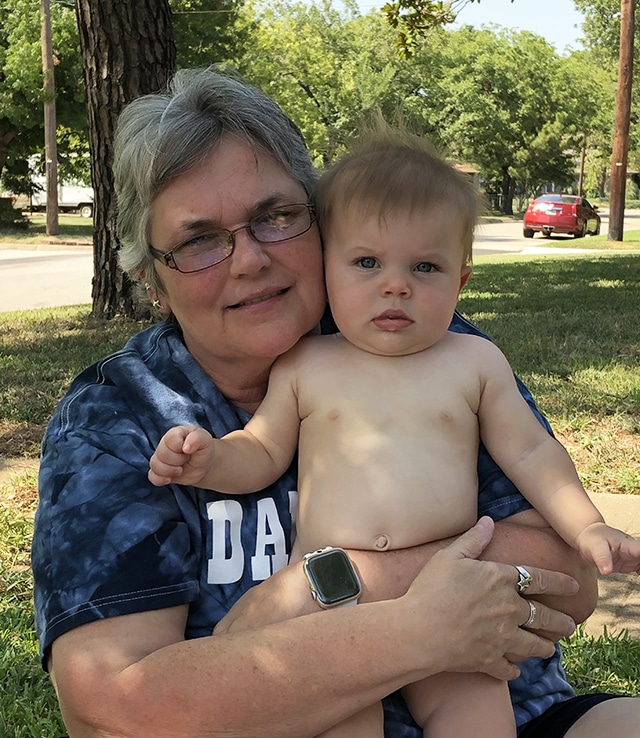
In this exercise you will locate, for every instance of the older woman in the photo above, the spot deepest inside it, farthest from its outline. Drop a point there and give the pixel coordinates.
(212, 182)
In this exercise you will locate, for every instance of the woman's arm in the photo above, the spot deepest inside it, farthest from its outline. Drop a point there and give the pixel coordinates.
(134, 676)
(523, 538)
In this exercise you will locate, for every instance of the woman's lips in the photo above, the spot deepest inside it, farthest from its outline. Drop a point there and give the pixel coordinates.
(257, 299)
(392, 320)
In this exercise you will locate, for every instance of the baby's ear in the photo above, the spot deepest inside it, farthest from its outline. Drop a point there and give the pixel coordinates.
(465, 273)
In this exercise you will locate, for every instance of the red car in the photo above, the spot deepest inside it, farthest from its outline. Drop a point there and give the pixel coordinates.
(554, 213)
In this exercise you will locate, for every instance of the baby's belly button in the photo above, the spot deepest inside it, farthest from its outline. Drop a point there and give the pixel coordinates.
(382, 542)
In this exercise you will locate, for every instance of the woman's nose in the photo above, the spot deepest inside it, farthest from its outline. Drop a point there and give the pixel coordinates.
(249, 256)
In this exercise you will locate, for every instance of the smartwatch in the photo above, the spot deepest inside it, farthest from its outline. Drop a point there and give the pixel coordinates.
(332, 577)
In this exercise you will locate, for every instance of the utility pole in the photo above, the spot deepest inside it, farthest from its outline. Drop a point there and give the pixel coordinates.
(50, 145)
(620, 153)
(583, 153)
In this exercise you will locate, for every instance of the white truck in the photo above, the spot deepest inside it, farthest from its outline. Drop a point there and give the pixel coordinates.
(71, 198)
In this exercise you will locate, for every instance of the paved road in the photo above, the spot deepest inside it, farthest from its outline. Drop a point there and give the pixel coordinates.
(496, 238)
(55, 276)
(40, 279)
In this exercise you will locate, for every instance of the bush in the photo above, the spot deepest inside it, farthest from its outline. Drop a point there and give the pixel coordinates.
(10, 217)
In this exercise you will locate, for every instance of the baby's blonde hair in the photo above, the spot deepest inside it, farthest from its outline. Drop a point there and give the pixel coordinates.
(390, 172)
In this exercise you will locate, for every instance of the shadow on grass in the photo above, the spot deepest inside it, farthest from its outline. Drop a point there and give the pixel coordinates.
(42, 351)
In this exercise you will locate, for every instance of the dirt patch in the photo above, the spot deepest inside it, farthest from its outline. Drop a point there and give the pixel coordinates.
(20, 439)
(18, 484)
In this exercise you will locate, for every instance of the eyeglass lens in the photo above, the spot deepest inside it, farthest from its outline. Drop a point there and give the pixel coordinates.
(212, 247)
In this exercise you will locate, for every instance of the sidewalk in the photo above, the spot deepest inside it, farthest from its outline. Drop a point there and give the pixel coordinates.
(619, 603)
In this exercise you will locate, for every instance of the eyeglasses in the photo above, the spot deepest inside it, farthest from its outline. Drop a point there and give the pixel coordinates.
(211, 247)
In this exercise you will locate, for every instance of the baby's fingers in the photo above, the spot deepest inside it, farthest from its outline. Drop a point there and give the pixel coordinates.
(161, 474)
(601, 556)
(627, 558)
(195, 440)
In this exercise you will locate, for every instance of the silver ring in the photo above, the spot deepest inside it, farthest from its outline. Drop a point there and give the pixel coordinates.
(524, 579)
(532, 615)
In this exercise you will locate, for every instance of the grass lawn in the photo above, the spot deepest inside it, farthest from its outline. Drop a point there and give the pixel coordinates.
(72, 227)
(569, 325)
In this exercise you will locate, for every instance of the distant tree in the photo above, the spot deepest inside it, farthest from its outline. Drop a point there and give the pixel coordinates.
(327, 67)
(21, 93)
(127, 51)
(601, 29)
(205, 31)
(587, 91)
(602, 38)
(488, 113)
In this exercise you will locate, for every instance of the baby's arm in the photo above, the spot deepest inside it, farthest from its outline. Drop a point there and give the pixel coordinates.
(243, 461)
(543, 471)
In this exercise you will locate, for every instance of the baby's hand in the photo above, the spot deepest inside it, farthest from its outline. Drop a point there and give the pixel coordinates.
(609, 549)
(183, 456)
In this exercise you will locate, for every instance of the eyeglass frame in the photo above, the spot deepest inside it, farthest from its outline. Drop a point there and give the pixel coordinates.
(170, 262)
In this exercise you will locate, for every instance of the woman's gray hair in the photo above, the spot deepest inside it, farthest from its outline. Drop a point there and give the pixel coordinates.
(163, 135)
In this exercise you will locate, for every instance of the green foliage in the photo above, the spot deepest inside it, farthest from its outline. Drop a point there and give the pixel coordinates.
(206, 31)
(602, 28)
(415, 19)
(330, 69)
(488, 113)
(602, 38)
(10, 218)
(327, 68)
(21, 93)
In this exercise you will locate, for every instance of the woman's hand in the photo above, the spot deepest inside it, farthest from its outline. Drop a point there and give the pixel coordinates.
(475, 609)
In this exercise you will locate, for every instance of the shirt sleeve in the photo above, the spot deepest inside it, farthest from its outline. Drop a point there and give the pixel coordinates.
(106, 541)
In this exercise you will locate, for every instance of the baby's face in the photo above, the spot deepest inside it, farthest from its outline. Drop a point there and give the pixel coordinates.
(393, 283)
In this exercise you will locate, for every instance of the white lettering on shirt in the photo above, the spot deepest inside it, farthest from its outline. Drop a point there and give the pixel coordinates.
(269, 533)
(226, 564)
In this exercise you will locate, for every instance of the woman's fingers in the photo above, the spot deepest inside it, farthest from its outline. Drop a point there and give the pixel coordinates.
(550, 623)
(493, 625)
(543, 581)
(472, 543)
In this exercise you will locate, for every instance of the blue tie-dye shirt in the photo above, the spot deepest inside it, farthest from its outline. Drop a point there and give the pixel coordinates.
(108, 543)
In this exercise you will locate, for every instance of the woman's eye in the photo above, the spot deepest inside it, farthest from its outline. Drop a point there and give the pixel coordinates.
(203, 242)
(425, 267)
(367, 262)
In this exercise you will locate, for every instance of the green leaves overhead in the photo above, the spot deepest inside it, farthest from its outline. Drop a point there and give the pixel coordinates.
(504, 102)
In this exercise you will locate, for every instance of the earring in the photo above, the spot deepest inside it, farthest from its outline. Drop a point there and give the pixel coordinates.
(155, 303)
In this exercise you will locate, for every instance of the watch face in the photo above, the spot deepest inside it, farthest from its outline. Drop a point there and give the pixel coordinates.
(333, 577)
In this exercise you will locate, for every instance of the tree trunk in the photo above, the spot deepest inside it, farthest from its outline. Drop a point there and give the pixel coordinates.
(127, 51)
(6, 137)
(620, 153)
(508, 188)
